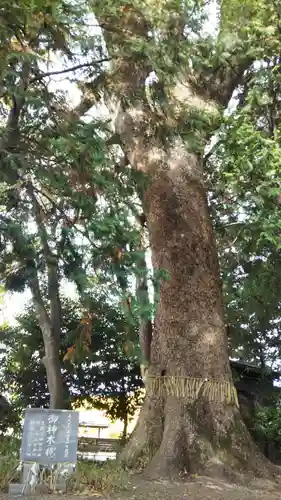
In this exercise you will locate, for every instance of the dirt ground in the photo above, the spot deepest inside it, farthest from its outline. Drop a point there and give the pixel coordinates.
(199, 488)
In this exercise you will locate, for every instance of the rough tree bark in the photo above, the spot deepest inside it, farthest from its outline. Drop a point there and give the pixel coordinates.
(145, 325)
(198, 430)
(189, 340)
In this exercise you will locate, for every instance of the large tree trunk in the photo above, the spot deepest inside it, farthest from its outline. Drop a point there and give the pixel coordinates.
(145, 325)
(190, 420)
(197, 428)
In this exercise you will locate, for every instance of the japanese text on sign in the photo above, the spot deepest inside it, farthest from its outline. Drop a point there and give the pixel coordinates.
(50, 436)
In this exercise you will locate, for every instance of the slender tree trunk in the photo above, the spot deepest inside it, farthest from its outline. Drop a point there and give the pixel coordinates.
(125, 428)
(51, 360)
(58, 393)
(10, 143)
(50, 324)
(54, 296)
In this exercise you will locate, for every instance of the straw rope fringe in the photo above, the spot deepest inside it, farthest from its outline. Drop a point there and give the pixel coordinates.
(193, 388)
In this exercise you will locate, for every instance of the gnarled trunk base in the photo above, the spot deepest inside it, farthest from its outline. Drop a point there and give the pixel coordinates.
(206, 438)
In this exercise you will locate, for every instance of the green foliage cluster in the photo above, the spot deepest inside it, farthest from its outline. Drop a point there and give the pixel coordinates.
(243, 172)
(268, 422)
(104, 376)
(68, 208)
(9, 453)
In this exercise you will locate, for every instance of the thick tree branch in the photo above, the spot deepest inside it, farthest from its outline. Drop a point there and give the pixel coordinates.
(39, 217)
(239, 37)
(11, 136)
(223, 80)
(10, 139)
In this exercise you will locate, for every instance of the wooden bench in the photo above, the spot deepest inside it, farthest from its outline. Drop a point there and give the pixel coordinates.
(95, 445)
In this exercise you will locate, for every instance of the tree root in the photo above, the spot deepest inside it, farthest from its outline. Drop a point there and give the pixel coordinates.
(147, 435)
(209, 440)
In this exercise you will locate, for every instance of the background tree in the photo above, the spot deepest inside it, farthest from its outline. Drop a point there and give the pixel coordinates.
(249, 238)
(99, 372)
(56, 169)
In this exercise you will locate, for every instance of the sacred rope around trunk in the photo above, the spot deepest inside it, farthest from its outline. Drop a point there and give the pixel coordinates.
(193, 388)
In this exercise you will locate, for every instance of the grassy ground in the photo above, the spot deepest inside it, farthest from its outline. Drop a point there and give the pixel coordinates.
(108, 481)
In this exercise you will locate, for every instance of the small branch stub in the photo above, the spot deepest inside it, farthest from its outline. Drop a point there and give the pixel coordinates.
(143, 370)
